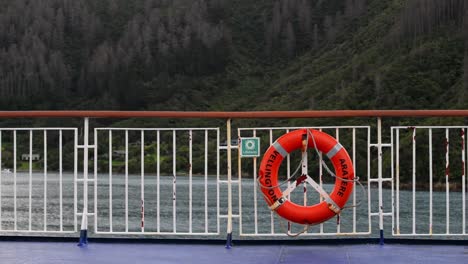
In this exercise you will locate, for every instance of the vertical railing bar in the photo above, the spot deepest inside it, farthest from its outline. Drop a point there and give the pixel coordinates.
(355, 173)
(304, 171)
(206, 181)
(272, 221)
(338, 222)
(368, 180)
(190, 181)
(463, 181)
(430, 181)
(110, 182)
(75, 177)
(158, 171)
(95, 181)
(321, 181)
(305, 168)
(142, 187)
(217, 181)
(45, 181)
(288, 175)
(465, 189)
(414, 182)
(61, 180)
(229, 183)
(1, 180)
(30, 179)
(255, 189)
(14, 180)
(239, 178)
(126, 180)
(392, 173)
(84, 217)
(174, 182)
(447, 187)
(379, 171)
(397, 176)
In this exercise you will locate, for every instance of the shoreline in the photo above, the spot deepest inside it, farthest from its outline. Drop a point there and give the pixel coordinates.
(436, 187)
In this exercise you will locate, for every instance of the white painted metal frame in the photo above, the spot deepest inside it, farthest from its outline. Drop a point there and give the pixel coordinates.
(396, 218)
(46, 206)
(257, 203)
(258, 228)
(205, 133)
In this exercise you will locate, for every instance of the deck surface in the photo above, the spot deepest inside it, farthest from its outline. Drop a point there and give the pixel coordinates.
(135, 253)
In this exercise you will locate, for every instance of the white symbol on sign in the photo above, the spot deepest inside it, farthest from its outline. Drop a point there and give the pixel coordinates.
(250, 144)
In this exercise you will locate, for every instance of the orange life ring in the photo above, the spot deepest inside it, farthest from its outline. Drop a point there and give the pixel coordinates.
(333, 203)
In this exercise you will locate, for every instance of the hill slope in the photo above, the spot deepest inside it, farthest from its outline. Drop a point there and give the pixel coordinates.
(233, 55)
(372, 63)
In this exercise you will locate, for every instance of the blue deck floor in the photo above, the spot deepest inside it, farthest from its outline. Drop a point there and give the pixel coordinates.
(135, 253)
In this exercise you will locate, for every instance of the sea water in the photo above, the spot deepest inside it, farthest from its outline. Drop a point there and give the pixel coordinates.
(202, 209)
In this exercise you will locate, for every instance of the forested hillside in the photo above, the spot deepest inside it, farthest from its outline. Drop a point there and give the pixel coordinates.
(233, 54)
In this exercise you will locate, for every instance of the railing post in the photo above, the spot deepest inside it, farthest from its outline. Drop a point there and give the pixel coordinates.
(84, 220)
(229, 183)
(379, 154)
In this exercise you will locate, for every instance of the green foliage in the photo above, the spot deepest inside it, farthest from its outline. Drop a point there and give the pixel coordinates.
(231, 56)
(199, 55)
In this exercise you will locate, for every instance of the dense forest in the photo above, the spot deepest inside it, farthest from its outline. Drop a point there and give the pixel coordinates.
(116, 54)
(233, 54)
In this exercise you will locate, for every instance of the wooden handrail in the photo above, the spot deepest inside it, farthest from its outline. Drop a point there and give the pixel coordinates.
(241, 115)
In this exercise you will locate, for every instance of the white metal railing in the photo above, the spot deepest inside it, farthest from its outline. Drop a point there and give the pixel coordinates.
(32, 197)
(446, 149)
(157, 188)
(181, 181)
(353, 221)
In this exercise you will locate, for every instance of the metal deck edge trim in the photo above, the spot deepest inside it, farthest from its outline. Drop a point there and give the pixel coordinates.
(347, 241)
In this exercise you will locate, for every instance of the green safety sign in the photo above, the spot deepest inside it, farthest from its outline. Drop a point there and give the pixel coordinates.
(250, 147)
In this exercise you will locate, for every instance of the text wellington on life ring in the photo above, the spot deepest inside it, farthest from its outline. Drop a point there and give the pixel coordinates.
(333, 203)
